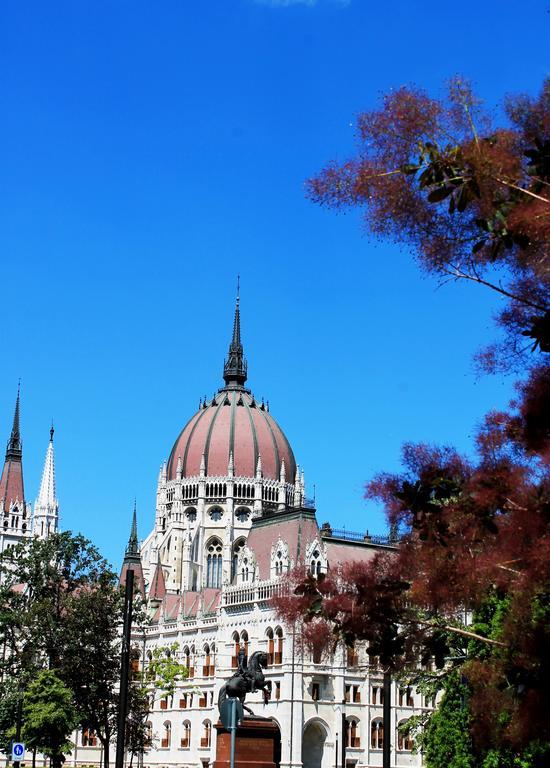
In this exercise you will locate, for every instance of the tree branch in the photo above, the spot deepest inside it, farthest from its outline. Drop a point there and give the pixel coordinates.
(458, 274)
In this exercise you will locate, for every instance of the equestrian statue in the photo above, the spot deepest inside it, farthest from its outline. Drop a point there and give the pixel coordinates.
(248, 678)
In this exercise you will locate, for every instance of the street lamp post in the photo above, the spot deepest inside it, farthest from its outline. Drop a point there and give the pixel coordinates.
(124, 669)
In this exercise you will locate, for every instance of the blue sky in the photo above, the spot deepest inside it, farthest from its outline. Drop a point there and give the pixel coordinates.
(153, 150)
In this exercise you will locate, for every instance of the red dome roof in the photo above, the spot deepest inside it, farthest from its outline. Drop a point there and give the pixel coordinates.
(232, 423)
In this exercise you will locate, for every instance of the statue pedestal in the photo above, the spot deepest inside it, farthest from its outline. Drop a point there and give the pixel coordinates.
(257, 744)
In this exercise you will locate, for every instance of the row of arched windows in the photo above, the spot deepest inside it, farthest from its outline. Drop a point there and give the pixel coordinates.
(402, 736)
(190, 491)
(216, 490)
(270, 494)
(185, 740)
(243, 491)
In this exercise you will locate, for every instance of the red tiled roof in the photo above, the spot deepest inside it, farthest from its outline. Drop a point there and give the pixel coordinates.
(224, 426)
(11, 482)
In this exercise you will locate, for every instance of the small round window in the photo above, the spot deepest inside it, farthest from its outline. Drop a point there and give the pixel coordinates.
(216, 513)
(191, 514)
(242, 514)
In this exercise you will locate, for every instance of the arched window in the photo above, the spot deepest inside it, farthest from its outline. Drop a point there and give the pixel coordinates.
(206, 733)
(188, 661)
(279, 646)
(242, 514)
(214, 564)
(404, 739)
(352, 733)
(134, 664)
(166, 735)
(237, 547)
(148, 734)
(216, 514)
(191, 514)
(89, 738)
(245, 570)
(315, 564)
(186, 735)
(270, 646)
(377, 733)
(236, 647)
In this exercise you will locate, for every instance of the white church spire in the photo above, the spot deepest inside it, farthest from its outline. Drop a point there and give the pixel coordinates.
(46, 505)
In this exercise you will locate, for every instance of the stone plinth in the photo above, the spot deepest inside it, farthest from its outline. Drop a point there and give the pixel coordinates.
(257, 744)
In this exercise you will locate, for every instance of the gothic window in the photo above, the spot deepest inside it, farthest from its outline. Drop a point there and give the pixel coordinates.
(89, 738)
(315, 565)
(278, 646)
(166, 735)
(214, 564)
(186, 735)
(242, 514)
(352, 734)
(187, 662)
(236, 647)
(245, 570)
(377, 733)
(404, 739)
(316, 559)
(352, 656)
(237, 548)
(208, 668)
(206, 733)
(216, 514)
(270, 646)
(195, 548)
(191, 514)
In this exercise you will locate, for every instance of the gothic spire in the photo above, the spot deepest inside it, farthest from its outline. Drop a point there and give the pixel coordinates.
(15, 448)
(132, 550)
(235, 369)
(132, 558)
(46, 495)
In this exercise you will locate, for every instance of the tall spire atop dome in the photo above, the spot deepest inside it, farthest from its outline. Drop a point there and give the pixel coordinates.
(235, 369)
(14, 448)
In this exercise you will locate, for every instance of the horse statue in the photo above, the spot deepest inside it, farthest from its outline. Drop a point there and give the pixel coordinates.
(248, 679)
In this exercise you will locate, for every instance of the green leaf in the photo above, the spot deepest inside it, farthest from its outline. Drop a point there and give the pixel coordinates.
(438, 194)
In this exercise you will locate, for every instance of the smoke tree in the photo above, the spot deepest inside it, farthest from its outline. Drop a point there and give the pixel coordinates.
(462, 605)
(470, 199)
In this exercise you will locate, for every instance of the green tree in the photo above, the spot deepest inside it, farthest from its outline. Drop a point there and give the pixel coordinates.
(49, 716)
(446, 740)
(62, 609)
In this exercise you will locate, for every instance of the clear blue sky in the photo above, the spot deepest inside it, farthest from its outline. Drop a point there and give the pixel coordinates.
(150, 151)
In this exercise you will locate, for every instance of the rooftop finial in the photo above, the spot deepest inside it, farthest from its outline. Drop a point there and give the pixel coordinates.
(52, 430)
(235, 369)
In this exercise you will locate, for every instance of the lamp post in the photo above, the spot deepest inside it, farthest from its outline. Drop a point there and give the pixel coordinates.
(386, 743)
(124, 669)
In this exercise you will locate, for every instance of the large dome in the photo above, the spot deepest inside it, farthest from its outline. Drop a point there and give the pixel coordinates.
(232, 423)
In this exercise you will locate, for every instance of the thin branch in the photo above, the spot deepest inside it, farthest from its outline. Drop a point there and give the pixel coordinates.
(458, 274)
(522, 189)
(464, 632)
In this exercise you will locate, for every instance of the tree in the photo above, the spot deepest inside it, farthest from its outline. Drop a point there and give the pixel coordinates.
(49, 716)
(475, 542)
(62, 610)
(470, 199)
(161, 678)
(446, 741)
